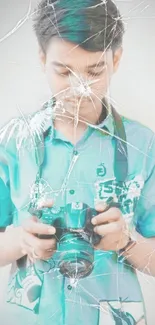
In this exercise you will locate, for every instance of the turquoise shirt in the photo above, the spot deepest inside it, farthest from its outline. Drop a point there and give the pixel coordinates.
(80, 173)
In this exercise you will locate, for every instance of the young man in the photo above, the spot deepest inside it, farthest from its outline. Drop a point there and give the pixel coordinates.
(75, 155)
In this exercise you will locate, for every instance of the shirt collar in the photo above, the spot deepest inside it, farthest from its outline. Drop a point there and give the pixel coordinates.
(106, 127)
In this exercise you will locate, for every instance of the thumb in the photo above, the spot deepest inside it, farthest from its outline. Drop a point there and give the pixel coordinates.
(45, 203)
(34, 226)
(101, 206)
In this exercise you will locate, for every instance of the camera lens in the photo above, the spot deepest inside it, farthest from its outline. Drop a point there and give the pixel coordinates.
(75, 268)
(76, 256)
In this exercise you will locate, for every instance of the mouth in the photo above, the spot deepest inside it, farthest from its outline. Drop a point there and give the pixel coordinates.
(78, 101)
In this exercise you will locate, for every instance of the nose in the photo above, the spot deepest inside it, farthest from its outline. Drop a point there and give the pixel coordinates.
(81, 88)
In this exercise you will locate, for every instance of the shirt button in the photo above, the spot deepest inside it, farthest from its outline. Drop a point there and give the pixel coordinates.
(69, 287)
(75, 152)
(71, 191)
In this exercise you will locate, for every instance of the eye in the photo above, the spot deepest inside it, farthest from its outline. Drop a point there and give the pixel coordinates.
(63, 73)
(95, 74)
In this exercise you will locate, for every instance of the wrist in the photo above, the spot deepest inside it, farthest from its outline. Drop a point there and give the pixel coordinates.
(124, 253)
(131, 243)
(11, 245)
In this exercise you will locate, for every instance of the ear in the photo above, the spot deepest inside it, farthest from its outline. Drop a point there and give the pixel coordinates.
(42, 59)
(116, 58)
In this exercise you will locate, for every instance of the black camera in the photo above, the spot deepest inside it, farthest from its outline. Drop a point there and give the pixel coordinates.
(74, 234)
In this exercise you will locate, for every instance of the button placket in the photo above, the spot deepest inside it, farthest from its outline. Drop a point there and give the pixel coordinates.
(74, 159)
(75, 152)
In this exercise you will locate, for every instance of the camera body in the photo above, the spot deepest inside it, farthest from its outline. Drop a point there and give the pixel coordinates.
(74, 234)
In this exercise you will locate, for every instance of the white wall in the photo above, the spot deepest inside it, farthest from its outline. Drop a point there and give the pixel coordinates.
(23, 86)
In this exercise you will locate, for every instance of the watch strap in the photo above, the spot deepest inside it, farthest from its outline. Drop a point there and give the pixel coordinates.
(131, 243)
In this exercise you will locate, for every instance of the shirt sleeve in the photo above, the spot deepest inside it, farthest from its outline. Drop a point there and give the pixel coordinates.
(6, 206)
(145, 210)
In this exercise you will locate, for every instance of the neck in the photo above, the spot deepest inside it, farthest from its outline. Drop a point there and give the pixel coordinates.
(79, 121)
(73, 128)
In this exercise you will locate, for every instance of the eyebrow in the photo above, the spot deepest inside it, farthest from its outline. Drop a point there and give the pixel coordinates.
(99, 64)
(95, 65)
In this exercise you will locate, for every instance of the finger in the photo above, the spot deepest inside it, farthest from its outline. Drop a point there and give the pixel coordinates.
(43, 248)
(29, 245)
(101, 206)
(49, 252)
(113, 214)
(41, 254)
(47, 245)
(102, 245)
(45, 204)
(44, 255)
(107, 244)
(110, 228)
(37, 243)
(32, 225)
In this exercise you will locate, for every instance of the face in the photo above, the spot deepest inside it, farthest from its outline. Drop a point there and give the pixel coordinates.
(78, 79)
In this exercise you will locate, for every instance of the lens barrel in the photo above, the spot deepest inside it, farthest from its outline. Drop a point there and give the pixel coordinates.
(76, 256)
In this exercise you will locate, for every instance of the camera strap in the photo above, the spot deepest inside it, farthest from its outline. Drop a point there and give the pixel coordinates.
(121, 150)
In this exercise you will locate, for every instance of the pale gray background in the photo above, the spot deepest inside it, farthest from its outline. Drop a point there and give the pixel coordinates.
(23, 86)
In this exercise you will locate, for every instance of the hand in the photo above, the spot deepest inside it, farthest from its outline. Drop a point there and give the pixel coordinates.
(32, 245)
(111, 225)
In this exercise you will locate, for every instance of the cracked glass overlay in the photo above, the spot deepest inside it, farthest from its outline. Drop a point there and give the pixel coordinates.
(32, 127)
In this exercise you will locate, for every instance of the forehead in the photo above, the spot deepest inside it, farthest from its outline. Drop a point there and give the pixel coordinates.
(69, 53)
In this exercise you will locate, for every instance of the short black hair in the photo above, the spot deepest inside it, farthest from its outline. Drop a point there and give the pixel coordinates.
(95, 25)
